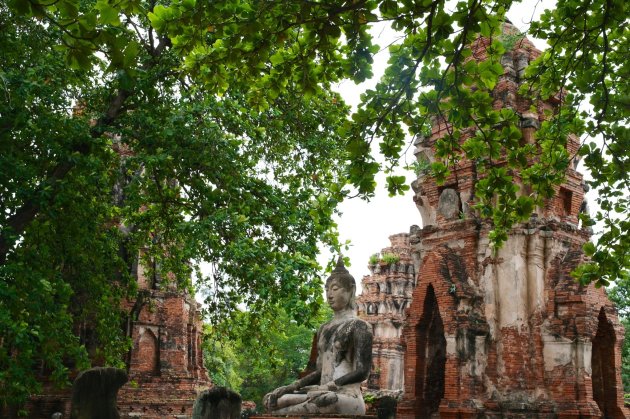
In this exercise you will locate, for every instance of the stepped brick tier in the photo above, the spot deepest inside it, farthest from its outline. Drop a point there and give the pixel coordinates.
(507, 334)
(165, 364)
(386, 293)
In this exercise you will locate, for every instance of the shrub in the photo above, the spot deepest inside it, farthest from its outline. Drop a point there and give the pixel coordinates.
(390, 258)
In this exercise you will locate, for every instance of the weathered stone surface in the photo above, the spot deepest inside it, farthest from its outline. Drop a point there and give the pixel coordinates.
(449, 205)
(344, 357)
(386, 407)
(217, 403)
(94, 393)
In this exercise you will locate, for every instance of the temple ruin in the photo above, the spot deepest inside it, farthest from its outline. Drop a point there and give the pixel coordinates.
(507, 334)
(165, 365)
(466, 332)
(462, 330)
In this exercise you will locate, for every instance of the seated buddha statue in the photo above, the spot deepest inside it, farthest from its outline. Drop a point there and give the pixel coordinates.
(344, 348)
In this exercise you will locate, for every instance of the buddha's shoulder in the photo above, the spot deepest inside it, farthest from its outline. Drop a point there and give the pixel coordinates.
(361, 325)
(359, 329)
(352, 324)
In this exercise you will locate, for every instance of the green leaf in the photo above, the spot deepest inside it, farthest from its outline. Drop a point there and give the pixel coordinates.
(524, 207)
(589, 248)
(488, 79)
(68, 8)
(108, 15)
(130, 54)
(277, 58)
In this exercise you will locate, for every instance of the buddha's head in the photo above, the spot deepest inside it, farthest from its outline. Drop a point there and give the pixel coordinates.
(341, 288)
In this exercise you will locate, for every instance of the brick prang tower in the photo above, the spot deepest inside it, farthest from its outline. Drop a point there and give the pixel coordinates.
(511, 333)
(386, 293)
(165, 364)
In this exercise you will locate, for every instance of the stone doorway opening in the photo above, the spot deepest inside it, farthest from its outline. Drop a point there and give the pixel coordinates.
(431, 361)
(603, 366)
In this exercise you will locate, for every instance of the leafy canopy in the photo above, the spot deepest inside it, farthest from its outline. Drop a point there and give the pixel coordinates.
(115, 147)
(620, 295)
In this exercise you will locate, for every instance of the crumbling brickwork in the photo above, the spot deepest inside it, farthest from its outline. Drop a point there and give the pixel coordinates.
(386, 293)
(506, 334)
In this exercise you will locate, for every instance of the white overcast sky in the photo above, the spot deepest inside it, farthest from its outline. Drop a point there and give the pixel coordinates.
(369, 224)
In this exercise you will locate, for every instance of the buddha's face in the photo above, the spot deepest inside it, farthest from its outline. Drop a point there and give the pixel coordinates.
(338, 297)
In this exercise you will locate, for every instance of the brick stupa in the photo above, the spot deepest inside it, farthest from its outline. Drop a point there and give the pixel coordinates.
(510, 334)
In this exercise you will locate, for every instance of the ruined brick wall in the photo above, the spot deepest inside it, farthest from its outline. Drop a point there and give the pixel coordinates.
(386, 293)
(506, 334)
(165, 365)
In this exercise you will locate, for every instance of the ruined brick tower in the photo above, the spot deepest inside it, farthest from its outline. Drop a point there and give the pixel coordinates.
(385, 296)
(508, 334)
(165, 365)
